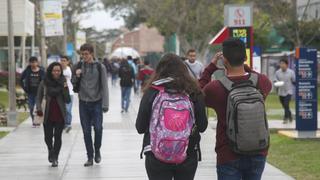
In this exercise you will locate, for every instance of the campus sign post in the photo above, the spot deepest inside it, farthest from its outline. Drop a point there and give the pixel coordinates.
(306, 90)
(238, 23)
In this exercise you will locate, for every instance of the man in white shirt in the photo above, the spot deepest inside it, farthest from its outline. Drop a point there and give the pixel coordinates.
(286, 78)
(65, 62)
(195, 67)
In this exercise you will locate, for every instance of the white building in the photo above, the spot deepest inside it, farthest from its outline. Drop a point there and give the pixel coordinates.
(313, 9)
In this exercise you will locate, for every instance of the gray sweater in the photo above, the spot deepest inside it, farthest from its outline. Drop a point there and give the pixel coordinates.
(94, 83)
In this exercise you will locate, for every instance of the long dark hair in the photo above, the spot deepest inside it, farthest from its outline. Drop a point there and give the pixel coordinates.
(172, 66)
(50, 69)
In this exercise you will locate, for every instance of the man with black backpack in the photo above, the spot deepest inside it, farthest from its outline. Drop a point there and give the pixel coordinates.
(90, 81)
(242, 138)
(127, 79)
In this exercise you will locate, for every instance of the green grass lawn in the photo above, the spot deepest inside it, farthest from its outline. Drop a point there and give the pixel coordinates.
(3, 134)
(298, 158)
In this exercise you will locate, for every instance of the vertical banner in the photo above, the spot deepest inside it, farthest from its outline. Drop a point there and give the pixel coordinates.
(53, 18)
(80, 39)
(306, 89)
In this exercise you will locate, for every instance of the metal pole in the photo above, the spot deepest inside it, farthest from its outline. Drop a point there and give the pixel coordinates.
(23, 52)
(65, 34)
(43, 38)
(12, 114)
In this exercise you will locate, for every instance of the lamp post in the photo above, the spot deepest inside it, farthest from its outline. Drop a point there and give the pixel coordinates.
(12, 114)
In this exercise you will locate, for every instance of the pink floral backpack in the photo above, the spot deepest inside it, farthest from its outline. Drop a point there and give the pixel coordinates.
(171, 124)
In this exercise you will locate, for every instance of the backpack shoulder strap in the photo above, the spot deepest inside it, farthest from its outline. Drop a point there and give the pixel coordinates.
(226, 82)
(254, 79)
(159, 88)
(194, 74)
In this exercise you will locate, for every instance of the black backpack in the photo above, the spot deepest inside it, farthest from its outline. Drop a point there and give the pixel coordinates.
(76, 81)
(126, 76)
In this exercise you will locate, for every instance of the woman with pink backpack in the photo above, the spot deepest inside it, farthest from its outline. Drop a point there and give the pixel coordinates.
(171, 116)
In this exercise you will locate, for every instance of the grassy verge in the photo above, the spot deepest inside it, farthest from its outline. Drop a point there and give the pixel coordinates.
(4, 101)
(298, 158)
(3, 134)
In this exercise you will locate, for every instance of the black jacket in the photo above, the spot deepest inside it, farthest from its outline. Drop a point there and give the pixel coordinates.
(145, 111)
(25, 78)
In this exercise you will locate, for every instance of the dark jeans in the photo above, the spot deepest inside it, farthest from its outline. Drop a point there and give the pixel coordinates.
(245, 168)
(285, 101)
(158, 170)
(125, 97)
(91, 115)
(52, 131)
(31, 104)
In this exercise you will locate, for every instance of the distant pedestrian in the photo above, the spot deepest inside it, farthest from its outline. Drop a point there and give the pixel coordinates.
(92, 83)
(285, 79)
(242, 138)
(114, 70)
(195, 67)
(65, 63)
(54, 90)
(171, 115)
(135, 71)
(145, 73)
(127, 79)
(30, 81)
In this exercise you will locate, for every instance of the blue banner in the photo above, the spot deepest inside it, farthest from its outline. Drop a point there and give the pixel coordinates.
(306, 89)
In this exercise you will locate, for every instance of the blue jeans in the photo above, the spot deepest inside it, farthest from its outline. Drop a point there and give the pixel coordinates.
(31, 104)
(245, 168)
(69, 113)
(91, 115)
(125, 97)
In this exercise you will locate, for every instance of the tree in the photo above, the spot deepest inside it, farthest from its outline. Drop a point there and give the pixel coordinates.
(299, 30)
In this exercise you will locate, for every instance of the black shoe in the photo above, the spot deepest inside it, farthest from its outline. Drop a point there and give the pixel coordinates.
(50, 156)
(54, 163)
(97, 157)
(68, 129)
(88, 163)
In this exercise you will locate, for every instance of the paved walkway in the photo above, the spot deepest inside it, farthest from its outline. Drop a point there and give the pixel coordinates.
(23, 153)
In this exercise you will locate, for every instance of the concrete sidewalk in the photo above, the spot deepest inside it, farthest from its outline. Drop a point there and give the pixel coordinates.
(23, 154)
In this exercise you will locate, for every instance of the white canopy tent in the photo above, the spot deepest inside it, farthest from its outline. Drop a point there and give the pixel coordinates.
(124, 52)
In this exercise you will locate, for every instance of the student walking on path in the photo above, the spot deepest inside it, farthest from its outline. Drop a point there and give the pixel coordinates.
(171, 115)
(195, 67)
(65, 63)
(92, 84)
(285, 79)
(127, 79)
(54, 91)
(30, 80)
(233, 163)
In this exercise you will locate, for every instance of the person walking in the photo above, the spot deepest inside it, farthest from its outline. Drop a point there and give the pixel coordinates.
(114, 71)
(145, 73)
(127, 78)
(195, 67)
(65, 63)
(285, 79)
(171, 116)
(92, 83)
(30, 81)
(245, 157)
(54, 90)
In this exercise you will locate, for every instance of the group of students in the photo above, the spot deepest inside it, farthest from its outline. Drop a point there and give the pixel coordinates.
(172, 115)
(172, 112)
(51, 92)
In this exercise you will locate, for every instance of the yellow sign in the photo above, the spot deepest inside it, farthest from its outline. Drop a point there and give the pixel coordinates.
(248, 61)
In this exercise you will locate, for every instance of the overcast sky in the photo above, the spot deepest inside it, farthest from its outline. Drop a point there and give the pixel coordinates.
(100, 19)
